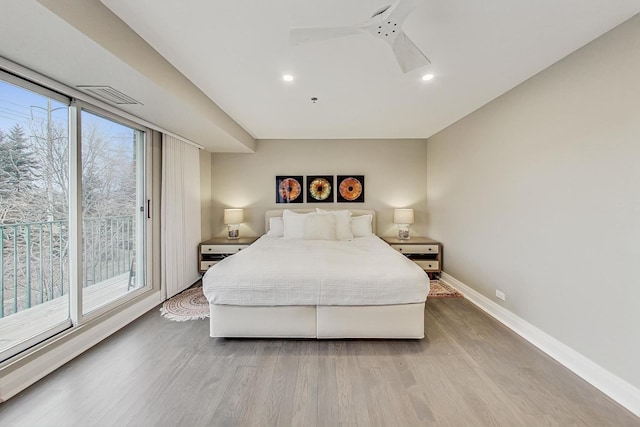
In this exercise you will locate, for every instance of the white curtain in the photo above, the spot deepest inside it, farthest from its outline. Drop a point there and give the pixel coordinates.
(180, 221)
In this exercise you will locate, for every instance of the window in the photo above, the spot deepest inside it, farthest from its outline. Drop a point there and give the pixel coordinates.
(34, 208)
(113, 211)
(72, 213)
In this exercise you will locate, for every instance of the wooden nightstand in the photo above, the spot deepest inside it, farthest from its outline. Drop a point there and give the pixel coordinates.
(212, 251)
(425, 252)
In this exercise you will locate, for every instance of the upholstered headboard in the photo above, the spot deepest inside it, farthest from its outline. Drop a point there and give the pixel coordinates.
(354, 212)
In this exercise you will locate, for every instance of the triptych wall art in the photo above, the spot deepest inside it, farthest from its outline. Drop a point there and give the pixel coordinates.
(320, 189)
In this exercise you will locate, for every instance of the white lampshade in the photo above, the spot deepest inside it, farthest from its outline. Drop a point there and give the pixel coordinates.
(403, 216)
(233, 216)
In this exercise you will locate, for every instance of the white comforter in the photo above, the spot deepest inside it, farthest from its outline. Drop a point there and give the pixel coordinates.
(275, 271)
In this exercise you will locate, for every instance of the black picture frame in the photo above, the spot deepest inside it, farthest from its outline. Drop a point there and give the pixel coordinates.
(289, 189)
(350, 189)
(319, 188)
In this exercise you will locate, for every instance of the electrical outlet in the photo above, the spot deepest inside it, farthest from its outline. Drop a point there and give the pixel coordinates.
(501, 295)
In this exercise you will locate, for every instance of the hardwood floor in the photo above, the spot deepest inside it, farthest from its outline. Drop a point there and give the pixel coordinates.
(469, 371)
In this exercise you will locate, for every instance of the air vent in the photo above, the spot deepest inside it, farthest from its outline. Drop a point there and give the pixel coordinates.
(109, 94)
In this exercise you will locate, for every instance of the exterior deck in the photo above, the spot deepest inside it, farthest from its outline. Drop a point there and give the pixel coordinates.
(19, 327)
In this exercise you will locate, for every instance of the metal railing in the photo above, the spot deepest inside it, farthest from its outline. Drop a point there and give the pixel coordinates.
(34, 258)
(108, 248)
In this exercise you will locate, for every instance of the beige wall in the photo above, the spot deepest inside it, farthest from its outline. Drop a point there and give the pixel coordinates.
(537, 194)
(394, 170)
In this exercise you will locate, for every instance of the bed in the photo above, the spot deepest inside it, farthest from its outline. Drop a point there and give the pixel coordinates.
(314, 285)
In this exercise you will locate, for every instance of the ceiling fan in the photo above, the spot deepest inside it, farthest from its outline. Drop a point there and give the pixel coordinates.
(385, 23)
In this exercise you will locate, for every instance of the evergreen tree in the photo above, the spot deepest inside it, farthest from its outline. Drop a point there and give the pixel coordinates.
(5, 190)
(18, 167)
(4, 160)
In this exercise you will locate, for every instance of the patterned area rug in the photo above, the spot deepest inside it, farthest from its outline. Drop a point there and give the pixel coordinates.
(192, 304)
(442, 290)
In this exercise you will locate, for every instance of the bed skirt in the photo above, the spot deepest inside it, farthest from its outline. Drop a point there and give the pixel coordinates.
(400, 321)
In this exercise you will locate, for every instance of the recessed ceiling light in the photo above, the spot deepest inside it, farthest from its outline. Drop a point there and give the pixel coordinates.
(427, 77)
(287, 77)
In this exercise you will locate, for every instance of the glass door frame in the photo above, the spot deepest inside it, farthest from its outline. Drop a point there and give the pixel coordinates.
(68, 323)
(76, 101)
(75, 213)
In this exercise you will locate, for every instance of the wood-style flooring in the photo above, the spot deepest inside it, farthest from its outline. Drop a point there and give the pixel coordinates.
(470, 370)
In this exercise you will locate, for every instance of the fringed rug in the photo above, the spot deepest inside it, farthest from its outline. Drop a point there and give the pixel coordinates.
(187, 305)
(192, 304)
(442, 290)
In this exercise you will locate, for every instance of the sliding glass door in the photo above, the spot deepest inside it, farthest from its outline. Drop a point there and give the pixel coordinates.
(113, 210)
(34, 212)
(73, 215)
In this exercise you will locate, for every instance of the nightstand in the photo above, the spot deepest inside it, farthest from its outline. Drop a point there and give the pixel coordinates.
(212, 251)
(425, 252)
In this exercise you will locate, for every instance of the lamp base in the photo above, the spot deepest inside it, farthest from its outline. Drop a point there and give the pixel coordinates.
(403, 232)
(233, 232)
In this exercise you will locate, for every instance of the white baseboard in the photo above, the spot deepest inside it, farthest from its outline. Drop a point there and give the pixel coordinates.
(613, 386)
(19, 375)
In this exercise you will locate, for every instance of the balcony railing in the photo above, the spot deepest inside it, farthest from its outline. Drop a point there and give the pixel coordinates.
(34, 258)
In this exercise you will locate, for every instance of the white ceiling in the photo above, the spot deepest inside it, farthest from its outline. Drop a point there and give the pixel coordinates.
(235, 52)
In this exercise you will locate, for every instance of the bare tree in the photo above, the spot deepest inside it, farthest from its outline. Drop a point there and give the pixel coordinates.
(34, 196)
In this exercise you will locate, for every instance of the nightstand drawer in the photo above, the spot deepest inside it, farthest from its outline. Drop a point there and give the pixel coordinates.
(221, 249)
(417, 249)
(428, 265)
(205, 265)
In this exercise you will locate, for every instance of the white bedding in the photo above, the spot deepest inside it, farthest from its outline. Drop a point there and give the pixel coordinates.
(277, 271)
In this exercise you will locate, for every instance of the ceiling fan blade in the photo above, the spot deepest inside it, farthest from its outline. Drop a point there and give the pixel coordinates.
(399, 11)
(408, 55)
(301, 35)
(386, 24)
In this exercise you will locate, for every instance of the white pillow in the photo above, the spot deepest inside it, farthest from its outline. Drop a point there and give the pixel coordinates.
(276, 227)
(293, 224)
(343, 223)
(320, 227)
(361, 225)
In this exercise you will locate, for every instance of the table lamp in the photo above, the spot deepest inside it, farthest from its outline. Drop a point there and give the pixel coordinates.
(403, 217)
(232, 219)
